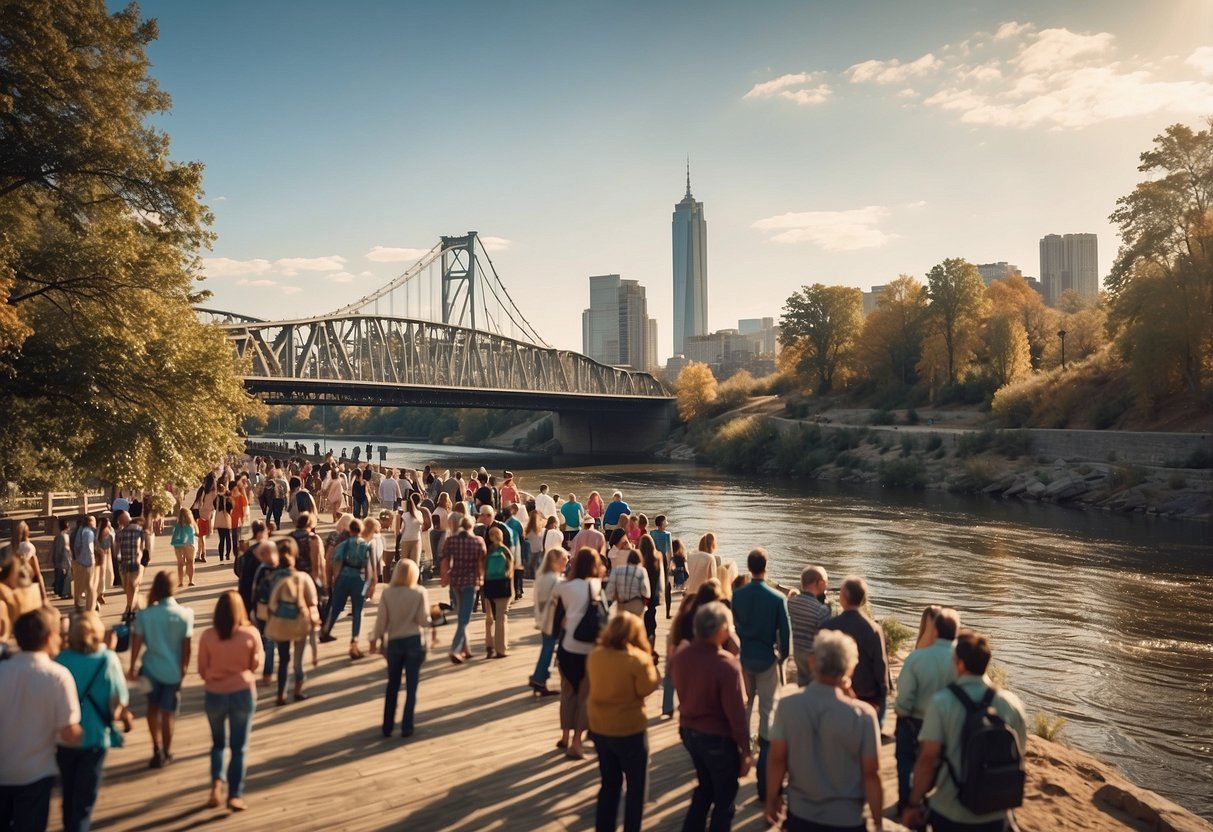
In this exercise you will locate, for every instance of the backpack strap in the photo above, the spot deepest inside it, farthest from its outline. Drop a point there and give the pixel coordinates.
(971, 708)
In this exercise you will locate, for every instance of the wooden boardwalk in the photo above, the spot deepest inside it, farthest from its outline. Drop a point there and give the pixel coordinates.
(483, 756)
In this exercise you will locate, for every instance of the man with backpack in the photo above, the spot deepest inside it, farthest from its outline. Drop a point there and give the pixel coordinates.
(278, 503)
(972, 743)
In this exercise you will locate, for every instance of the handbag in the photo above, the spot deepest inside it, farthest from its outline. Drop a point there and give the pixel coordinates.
(595, 619)
(204, 526)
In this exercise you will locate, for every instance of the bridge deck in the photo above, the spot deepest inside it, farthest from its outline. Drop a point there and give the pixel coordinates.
(482, 757)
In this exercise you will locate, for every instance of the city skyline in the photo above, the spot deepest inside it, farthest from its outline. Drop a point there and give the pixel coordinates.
(689, 245)
(829, 150)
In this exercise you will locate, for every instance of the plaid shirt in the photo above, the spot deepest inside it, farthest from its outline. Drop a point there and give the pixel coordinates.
(627, 583)
(130, 546)
(465, 555)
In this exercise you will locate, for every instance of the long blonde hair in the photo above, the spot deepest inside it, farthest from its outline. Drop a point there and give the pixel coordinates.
(185, 517)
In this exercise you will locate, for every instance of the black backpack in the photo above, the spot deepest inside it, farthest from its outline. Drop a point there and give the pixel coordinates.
(991, 759)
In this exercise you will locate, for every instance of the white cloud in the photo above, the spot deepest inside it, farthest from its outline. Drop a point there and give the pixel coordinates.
(1057, 50)
(892, 71)
(907, 93)
(258, 284)
(340, 277)
(227, 267)
(1202, 60)
(291, 290)
(801, 88)
(387, 254)
(830, 230)
(219, 199)
(495, 244)
(918, 203)
(1012, 30)
(291, 266)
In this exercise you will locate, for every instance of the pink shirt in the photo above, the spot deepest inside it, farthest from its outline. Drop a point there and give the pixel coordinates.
(230, 666)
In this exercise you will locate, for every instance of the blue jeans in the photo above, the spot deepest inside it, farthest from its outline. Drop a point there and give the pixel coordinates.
(717, 764)
(362, 507)
(26, 808)
(466, 599)
(268, 647)
(348, 587)
(404, 655)
(620, 757)
(543, 667)
(80, 774)
(905, 752)
(237, 709)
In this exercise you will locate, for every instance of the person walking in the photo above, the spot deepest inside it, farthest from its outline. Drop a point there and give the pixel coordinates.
(352, 579)
(871, 680)
(294, 611)
(581, 597)
(40, 710)
(165, 628)
(404, 614)
(106, 565)
(84, 560)
(650, 560)
(703, 564)
(101, 688)
(61, 560)
(229, 654)
(358, 490)
(411, 524)
(551, 573)
(628, 584)
(222, 521)
(131, 556)
(621, 674)
(712, 722)
(183, 542)
(498, 591)
(463, 565)
(240, 510)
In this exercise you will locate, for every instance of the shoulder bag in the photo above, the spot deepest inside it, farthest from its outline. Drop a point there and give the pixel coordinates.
(595, 618)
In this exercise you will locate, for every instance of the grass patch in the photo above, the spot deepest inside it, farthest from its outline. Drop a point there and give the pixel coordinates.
(903, 473)
(882, 417)
(1046, 726)
(908, 444)
(1177, 481)
(896, 634)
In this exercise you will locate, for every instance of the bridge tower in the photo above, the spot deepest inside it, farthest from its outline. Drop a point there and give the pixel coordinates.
(459, 279)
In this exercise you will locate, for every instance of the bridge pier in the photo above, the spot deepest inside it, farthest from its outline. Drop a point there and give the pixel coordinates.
(610, 432)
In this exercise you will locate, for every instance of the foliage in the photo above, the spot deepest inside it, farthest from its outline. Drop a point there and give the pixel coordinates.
(882, 417)
(1013, 298)
(890, 345)
(1007, 353)
(978, 474)
(896, 634)
(957, 301)
(904, 473)
(1162, 279)
(1126, 476)
(106, 371)
(733, 392)
(824, 321)
(694, 390)
(1047, 726)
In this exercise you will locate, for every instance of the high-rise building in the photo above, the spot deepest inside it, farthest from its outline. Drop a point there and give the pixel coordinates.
(1069, 261)
(997, 271)
(690, 269)
(616, 329)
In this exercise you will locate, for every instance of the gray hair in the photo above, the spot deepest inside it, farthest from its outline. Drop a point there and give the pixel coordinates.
(811, 575)
(709, 619)
(834, 654)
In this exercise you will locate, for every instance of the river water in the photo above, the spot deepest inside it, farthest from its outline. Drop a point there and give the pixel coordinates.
(1104, 620)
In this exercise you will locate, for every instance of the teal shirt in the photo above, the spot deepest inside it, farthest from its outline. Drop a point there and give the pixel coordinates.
(498, 564)
(163, 627)
(661, 539)
(927, 671)
(944, 723)
(516, 530)
(183, 535)
(760, 614)
(573, 513)
(101, 672)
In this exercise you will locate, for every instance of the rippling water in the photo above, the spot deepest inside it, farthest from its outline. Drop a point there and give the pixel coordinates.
(1104, 620)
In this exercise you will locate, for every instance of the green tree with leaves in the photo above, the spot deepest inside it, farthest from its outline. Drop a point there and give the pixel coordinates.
(108, 372)
(824, 323)
(957, 302)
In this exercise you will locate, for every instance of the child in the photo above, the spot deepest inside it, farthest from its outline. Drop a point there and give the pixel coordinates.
(679, 559)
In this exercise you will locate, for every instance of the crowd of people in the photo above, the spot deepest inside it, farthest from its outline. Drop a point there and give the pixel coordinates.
(600, 574)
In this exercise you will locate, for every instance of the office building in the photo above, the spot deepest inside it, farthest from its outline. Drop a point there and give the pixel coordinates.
(616, 329)
(872, 299)
(997, 271)
(753, 346)
(690, 232)
(1069, 261)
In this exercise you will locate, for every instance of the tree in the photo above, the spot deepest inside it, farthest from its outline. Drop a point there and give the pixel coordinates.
(890, 346)
(1013, 297)
(957, 296)
(824, 321)
(109, 374)
(1007, 353)
(1161, 283)
(694, 390)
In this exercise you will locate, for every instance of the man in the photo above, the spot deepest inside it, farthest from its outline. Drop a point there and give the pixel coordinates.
(130, 543)
(166, 628)
(571, 513)
(808, 611)
(246, 565)
(925, 673)
(712, 720)
(544, 504)
(282, 488)
(664, 543)
(510, 513)
(86, 564)
(486, 520)
(483, 496)
(463, 556)
(616, 507)
(762, 627)
(41, 710)
(940, 742)
(828, 745)
(871, 680)
(390, 494)
(589, 538)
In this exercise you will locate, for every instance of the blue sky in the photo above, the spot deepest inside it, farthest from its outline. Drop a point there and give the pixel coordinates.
(830, 142)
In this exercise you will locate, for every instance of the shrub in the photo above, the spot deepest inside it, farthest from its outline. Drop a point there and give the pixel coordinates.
(1177, 481)
(896, 634)
(1126, 476)
(911, 416)
(903, 473)
(971, 444)
(934, 441)
(998, 675)
(1012, 443)
(1046, 726)
(908, 444)
(883, 417)
(742, 444)
(977, 475)
(940, 453)
(846, 459)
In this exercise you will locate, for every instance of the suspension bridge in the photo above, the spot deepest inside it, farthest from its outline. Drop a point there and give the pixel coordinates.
(447, 333)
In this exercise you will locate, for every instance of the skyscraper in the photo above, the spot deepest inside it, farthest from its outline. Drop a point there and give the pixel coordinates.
(690, 269)
(616, 329)
(1069, 262)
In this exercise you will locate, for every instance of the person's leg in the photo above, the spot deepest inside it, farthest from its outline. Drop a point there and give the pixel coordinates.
(905, 752)
(767, 683)
(153, 728)
(94, 586)
(724, 765)
(414, 659)
(634, 758)
(701, 796)
(543, 667)
(300, 673)
(68, 760)
(357, 599)
(179, 552)
(395, 654)
(467, 597)
(489, 621)
(31, 806)
(216, 716)
(667, 693)
(267, 647)
(80, 776)
(242, 707)
(610, 777)
(650, 625)
(79, 585)
(336, 607)
(168, 722)
(501, 610)
(284, 663)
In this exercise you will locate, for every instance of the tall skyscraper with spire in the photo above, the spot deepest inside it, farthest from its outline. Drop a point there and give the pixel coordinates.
(690, 269)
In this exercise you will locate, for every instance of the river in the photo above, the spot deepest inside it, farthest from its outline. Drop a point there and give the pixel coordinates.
(1102, 619)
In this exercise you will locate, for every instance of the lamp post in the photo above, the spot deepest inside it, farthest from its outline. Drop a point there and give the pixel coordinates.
(1061, 333)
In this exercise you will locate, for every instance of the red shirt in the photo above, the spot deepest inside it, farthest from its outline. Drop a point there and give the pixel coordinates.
(711, 693)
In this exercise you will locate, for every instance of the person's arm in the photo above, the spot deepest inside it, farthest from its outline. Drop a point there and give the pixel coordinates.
(907, 688)
(136, 646)
(204, 658)
(648, 680)
(256, 656)
(382, 621)
(785, 631)
(929, 752)
(777, 769)
(880, 664)
(873, 790)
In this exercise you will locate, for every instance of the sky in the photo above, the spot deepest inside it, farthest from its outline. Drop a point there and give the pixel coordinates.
(840, 143)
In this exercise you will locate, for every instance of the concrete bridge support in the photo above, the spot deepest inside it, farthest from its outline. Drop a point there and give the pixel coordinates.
(612, 431)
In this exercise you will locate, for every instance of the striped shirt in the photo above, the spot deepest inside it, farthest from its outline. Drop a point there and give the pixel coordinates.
(627, 583)
(807, 615)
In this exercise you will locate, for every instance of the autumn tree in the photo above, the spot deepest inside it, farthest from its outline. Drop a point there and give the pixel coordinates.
(890, 345)
(1014, 297)
(107, 371)
(1006, 352)
(957, 301)
(694, 390)
(824, 321)
(1161, 284)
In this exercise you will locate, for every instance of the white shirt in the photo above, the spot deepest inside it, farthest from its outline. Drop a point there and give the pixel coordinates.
(618, 557)
(545, 505)
(701, 567)
(389, 490)
(576, 597)
(40, 700)
(410, 527)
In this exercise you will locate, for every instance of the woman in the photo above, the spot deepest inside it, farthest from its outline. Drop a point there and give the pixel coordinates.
(206, 512)
(650, 559)
(595, 507)
(222, 522)
(18, 593)
(411, 523)
(678, 559)
(553, 538)
(28, 555)
(229, 653)
(351, 579)
(293, 610)
(621, 674)
(926, 626)
(532, 535)
(102, 690)
(166, 628)
(619, 548)
(334, 492)
(374, 540)
(440, 523)
(681, 632)
(497, 591)
(628, 585)
(362, 505)
(551, 573)
(106, 561)
(703, 564)
(404, 612)
(183, 543)
(580, 596)
(239, 505)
